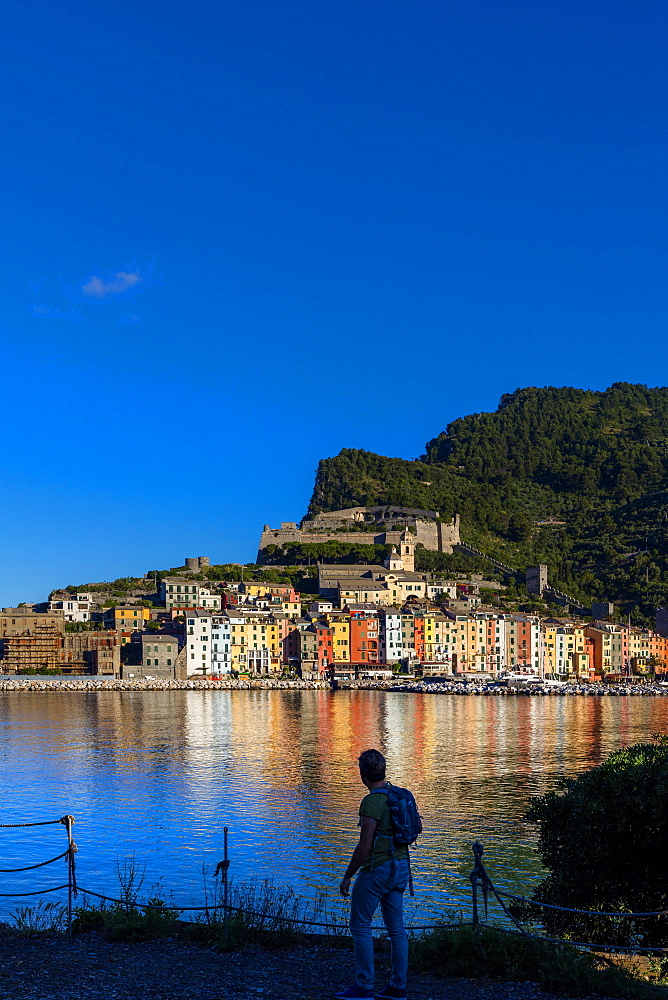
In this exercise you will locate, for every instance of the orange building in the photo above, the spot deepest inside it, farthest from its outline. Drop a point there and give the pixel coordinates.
(364, 638)
(418, 636)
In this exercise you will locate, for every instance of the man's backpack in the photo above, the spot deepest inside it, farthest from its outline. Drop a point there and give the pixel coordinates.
(406, 821)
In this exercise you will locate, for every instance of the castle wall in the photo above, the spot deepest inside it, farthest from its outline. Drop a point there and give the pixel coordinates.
(434, 535)
(287, 536)
(427, 535)
(280, 536)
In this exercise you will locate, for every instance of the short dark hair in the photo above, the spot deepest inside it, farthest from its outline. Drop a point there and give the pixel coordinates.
(372, 765)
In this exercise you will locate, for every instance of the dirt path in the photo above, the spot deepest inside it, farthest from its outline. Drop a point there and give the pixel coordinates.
(91, 968)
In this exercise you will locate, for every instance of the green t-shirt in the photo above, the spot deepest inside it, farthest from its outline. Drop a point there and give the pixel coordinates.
(375, 805)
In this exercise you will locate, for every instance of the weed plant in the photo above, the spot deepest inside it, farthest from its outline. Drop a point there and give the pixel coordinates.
(259, 912)
(43, 918)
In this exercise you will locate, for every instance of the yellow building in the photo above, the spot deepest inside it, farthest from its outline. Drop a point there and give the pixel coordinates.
(437, 640)
(340, 626)
(549, 656)
(434, 632)
(363, 591)
(580, 664)
(126, 618)
(476, 634)
(459, 641)
(277, 629)
(238, 641)
(258, 656)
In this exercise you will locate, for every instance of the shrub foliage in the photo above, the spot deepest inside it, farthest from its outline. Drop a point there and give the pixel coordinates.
(604, 840)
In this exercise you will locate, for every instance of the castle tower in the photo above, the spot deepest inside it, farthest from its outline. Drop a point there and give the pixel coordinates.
(536, 578)
(407, 551)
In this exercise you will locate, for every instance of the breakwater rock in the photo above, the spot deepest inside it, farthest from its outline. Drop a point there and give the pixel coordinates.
(491, 689)
(37, 683)
(501, 689)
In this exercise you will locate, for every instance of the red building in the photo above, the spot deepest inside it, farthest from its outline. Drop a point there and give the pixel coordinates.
(418, 636)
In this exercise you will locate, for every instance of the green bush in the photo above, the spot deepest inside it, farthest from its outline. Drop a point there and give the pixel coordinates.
(604, 840)
(47, 671)
(492, 954)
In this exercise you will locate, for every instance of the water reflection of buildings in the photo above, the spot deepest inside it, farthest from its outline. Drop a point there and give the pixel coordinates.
(280, 767)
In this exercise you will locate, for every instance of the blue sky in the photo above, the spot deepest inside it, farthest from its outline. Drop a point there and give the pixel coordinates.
(241, 236)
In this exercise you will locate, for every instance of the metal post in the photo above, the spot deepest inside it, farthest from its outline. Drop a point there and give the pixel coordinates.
(474, 884)
(69, 820)
(226, 866)
(477, 865)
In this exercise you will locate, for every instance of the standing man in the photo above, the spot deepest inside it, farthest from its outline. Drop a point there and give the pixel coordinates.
(383, 877)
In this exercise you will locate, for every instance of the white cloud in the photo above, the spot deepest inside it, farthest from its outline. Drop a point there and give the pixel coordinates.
(43, 311)
(101, 288)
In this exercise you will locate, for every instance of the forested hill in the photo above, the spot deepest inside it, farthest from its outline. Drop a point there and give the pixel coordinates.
(596, 461)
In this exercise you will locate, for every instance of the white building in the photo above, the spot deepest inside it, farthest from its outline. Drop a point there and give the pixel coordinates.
(318, 608)
(74, 609)
(221, 648)
(177, 594)
(391, 636)
(198, 643)
(446, 587)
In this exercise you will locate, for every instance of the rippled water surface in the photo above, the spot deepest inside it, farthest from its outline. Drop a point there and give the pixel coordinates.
(158, 775)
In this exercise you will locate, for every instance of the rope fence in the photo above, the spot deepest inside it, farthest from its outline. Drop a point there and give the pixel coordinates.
(587, 913)
(46, 822)
(29, 868)
(480, 881)
(481, 884)
(68, 855)
(280, 918)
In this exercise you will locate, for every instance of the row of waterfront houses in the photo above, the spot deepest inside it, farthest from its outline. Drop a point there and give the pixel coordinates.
(260, 635)
(366, 621)
(366, 638)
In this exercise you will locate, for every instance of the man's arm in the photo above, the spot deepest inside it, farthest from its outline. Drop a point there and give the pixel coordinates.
(361, 852)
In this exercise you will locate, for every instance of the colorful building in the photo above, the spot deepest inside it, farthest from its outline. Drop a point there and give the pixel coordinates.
(364, 638)
(126, 617)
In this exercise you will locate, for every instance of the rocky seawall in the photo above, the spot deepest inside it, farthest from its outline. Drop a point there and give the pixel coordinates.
(38, 683)
(491, 689)
(498, 689)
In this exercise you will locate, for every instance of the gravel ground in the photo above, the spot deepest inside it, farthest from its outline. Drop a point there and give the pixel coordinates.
(91, 968)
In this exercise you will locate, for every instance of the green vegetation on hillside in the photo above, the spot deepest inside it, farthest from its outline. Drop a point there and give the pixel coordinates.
(310, 553)
(569, 477)
(300, 573)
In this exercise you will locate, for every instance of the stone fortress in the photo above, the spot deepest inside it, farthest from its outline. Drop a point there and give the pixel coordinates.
(368, 526)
